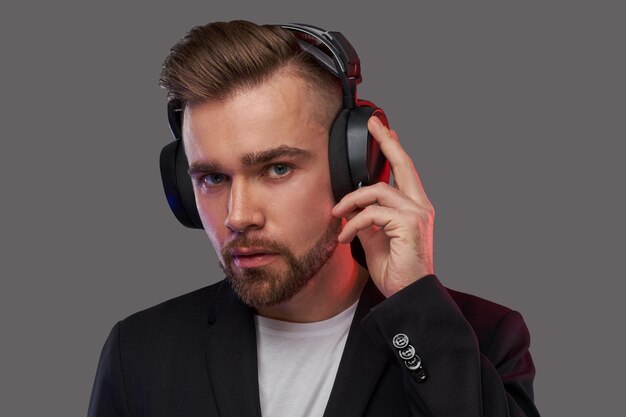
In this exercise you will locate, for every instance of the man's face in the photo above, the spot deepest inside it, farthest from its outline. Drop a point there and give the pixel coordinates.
(259, 164)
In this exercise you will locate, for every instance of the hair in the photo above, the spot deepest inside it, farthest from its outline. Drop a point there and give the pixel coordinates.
(217, 60)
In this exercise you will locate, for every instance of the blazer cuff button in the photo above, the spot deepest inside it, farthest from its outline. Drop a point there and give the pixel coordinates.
(400, 341)
(414, 363)
(420, 374)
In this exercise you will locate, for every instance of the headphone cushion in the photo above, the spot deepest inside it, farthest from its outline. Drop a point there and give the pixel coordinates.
(177, 184)
(340, 176)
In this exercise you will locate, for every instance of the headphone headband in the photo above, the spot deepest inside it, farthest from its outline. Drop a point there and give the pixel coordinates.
(343, 62)
(347, 65)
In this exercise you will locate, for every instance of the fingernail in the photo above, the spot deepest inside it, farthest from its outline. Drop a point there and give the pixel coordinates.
(376, 121)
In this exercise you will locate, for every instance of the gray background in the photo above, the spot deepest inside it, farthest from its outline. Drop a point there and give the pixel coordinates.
(512, 111)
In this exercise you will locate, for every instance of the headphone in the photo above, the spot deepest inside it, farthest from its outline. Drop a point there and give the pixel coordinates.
(355, 158)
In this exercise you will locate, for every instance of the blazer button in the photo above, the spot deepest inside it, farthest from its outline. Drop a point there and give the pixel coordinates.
(420, 374)
(407, 353)
(414, 363)
(400, 341)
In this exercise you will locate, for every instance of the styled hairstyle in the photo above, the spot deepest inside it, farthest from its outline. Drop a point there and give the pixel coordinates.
(217, 60)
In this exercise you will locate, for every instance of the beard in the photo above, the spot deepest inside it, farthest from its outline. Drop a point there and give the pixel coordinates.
(266, 285)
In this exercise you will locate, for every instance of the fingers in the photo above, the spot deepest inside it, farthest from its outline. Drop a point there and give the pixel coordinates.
(405, 175)
(380, 193)
(370, 216)
(381, 205)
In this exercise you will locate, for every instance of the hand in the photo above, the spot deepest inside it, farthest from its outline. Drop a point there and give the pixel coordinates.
(394, 224)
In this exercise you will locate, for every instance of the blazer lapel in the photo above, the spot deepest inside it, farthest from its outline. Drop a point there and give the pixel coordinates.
(231, 356)
(361, 366)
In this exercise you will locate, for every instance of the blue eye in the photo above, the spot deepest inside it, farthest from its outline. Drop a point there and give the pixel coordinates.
(278, 170)
(213, 179)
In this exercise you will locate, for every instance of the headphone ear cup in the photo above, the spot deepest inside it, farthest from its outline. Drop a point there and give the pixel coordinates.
(177, 184)
(340, 177)
(368, 164)
(364, 161)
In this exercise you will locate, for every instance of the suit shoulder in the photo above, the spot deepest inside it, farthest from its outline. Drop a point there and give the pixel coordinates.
(178, 311)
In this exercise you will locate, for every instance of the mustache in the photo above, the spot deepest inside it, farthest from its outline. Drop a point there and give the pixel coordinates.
(255, 242)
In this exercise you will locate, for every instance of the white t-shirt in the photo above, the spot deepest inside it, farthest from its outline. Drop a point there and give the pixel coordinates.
(298, 363)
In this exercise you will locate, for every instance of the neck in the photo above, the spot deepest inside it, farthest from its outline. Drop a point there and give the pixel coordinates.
(335, 287)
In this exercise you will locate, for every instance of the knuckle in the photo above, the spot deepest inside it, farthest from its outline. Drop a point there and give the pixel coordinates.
(419, 216)
(369, 211)
(380, 186)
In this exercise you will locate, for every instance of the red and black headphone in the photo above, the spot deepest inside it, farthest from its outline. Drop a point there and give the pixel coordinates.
(355, 158)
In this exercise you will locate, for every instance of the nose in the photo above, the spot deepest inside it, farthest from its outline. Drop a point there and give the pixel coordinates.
(244, 209)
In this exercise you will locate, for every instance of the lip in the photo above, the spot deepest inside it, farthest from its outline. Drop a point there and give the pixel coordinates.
(252, 257)
(249, 251)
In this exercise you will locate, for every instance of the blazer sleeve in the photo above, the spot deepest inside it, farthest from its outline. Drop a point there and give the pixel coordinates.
(107, 396)
(460, 380)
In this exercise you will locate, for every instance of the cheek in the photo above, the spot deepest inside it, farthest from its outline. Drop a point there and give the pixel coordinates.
(306, 210)
(314, 191)
(214, 237)
(213, 218)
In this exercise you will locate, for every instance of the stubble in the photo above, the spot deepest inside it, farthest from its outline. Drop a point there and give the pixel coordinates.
(267, 285)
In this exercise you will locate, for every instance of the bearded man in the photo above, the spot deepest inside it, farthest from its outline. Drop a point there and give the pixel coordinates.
(299, 327)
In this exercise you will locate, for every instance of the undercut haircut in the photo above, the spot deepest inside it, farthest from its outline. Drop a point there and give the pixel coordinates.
(220, 59)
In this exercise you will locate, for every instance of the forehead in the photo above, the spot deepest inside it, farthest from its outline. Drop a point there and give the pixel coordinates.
(275, 113)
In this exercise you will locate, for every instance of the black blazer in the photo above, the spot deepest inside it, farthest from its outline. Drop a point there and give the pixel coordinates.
(195, 355)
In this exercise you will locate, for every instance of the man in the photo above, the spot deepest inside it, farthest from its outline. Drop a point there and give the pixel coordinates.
(299, 327)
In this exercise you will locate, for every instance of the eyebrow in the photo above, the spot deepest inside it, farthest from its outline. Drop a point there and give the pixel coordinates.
(263, 157)
(253, 158)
